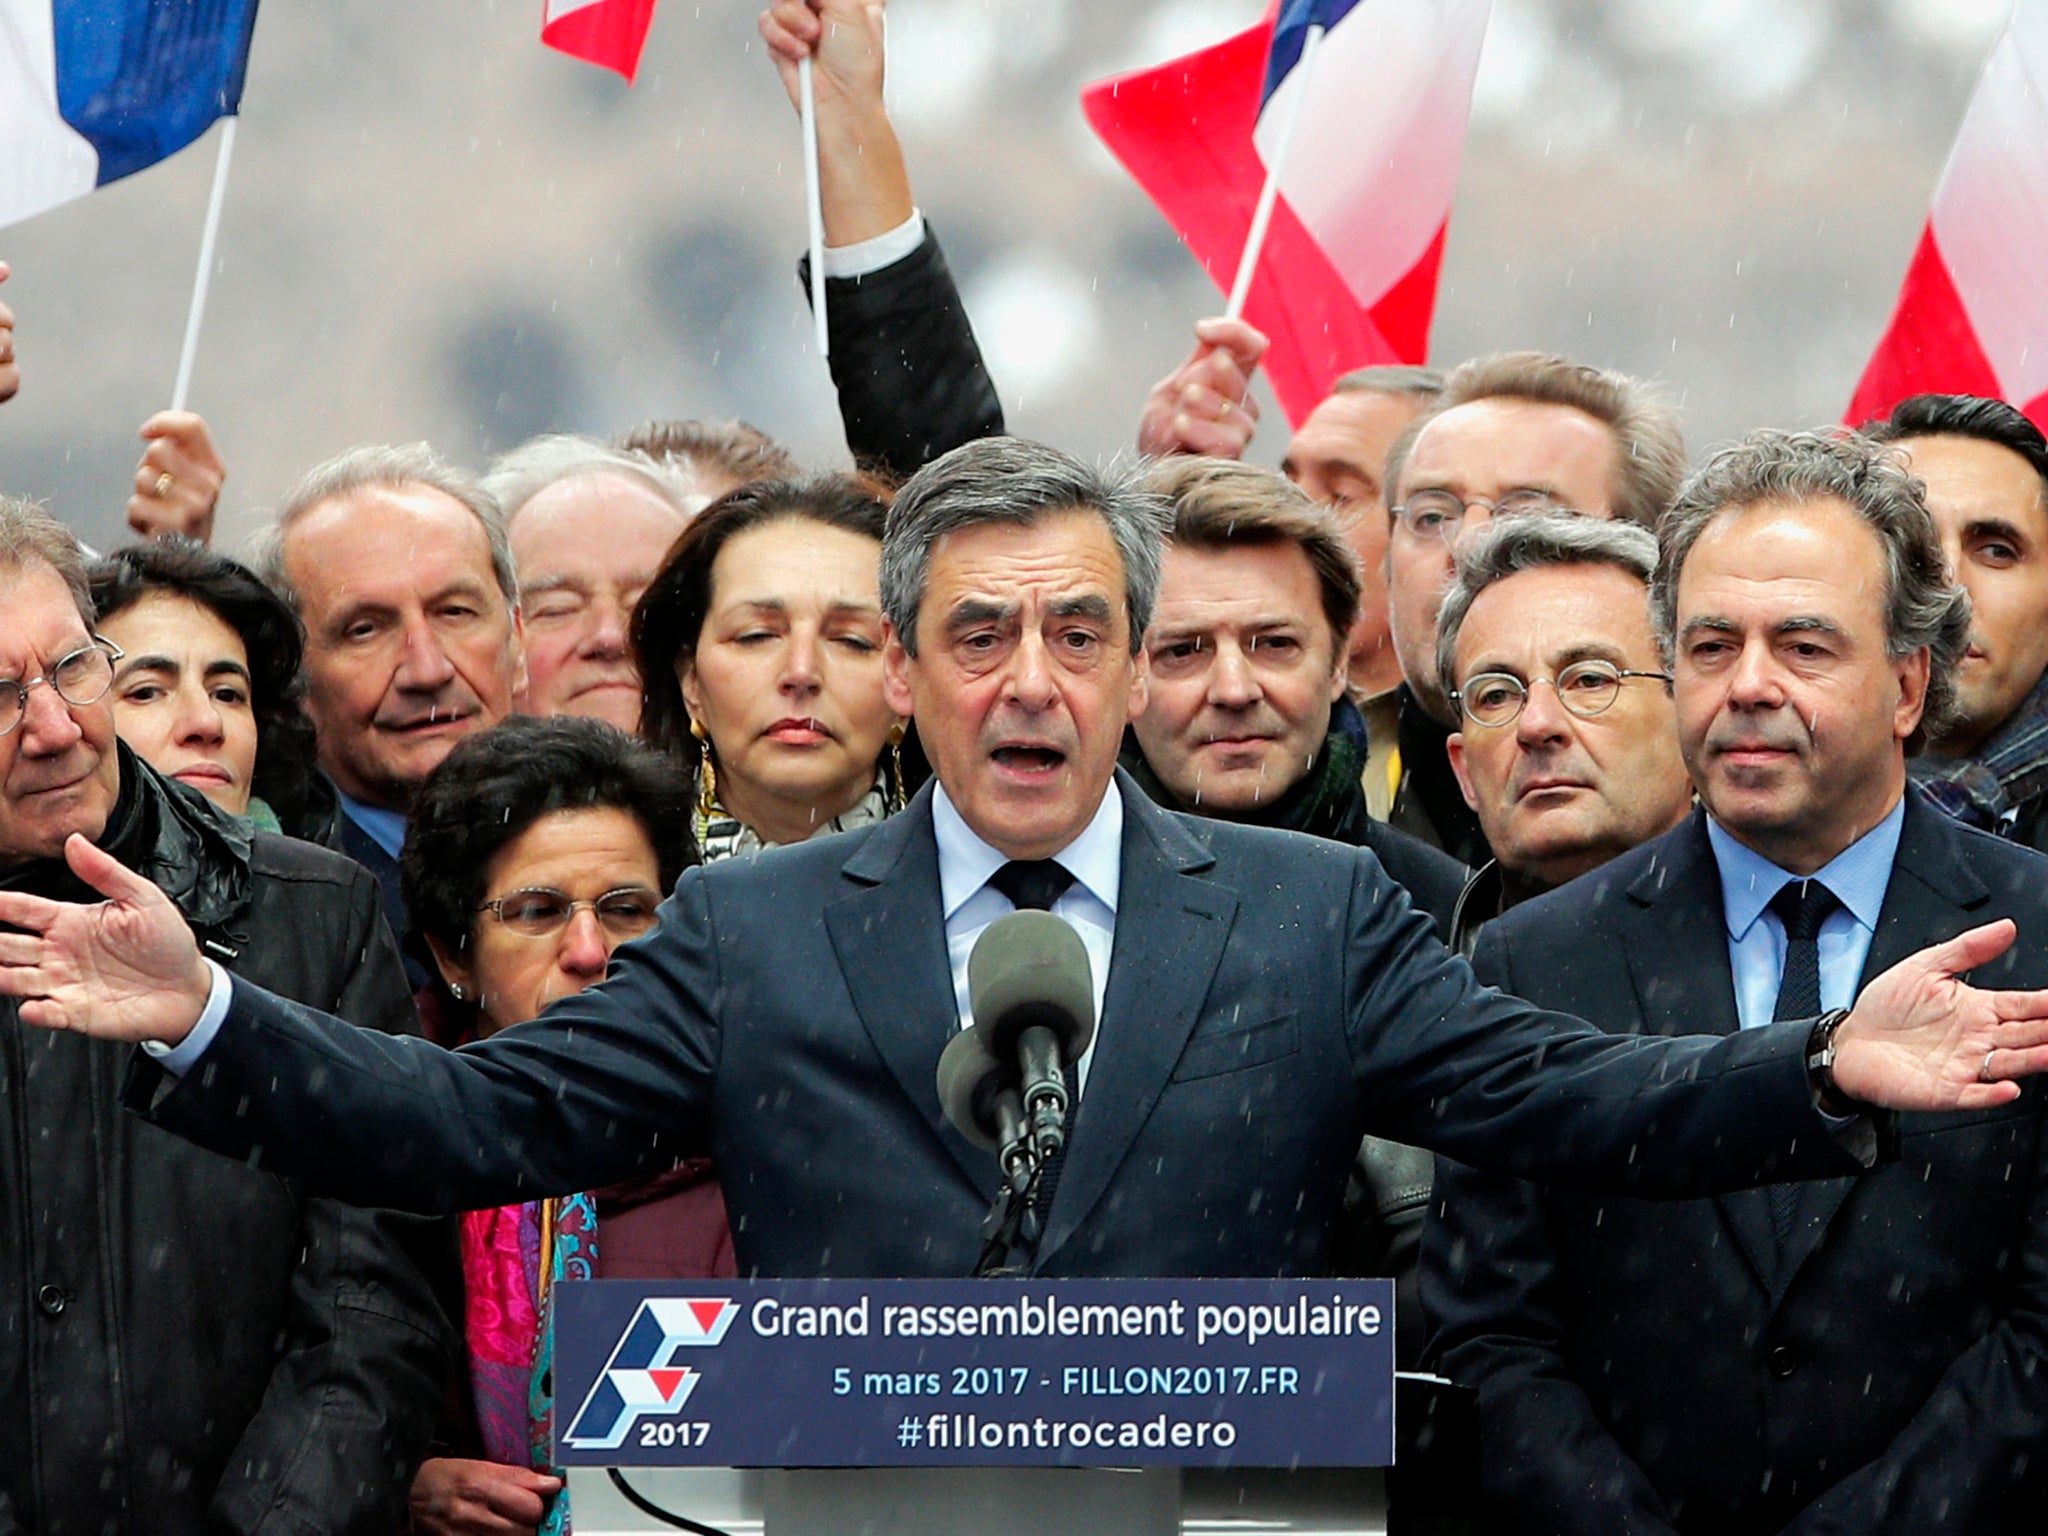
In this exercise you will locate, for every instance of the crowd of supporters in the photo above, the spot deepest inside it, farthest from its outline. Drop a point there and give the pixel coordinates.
(442, 741)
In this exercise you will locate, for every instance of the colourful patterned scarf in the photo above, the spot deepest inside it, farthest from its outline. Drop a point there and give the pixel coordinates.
(511, 1258)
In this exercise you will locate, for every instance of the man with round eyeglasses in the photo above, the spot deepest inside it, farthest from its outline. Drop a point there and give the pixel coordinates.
(1568, 747)
(177, 1326)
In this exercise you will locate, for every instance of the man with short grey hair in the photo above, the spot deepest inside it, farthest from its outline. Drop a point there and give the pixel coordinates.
(588, 526)
(1568, 746)
(187, 1342)
(398, 566)
(1865, 1354)
(1263, 998)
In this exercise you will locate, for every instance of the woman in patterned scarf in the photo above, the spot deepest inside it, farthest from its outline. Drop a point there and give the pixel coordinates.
(760, 653)
(535, 850)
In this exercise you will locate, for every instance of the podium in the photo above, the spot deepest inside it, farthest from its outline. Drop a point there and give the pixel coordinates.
(911, 1408)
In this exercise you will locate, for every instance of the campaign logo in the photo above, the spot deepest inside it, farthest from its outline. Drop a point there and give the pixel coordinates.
(641, 1380)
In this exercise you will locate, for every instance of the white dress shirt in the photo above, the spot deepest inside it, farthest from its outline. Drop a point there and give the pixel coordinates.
(970, 903)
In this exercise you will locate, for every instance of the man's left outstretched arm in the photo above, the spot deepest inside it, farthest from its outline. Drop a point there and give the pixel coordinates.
(1485, 1078)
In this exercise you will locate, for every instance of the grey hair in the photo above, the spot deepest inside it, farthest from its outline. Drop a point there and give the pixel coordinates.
(522, 473)
(379, 467)
(1924, 605)
(1649, 443)
(1010, 480)
(1532, 543)
(1417, 383)
(30, 536)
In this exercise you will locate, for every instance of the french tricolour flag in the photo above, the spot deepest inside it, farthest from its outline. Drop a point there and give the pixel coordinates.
(608, 33)
(91, 90)
(1972, 316)
(1349, 272)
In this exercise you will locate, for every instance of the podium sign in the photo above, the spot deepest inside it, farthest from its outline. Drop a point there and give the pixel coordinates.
(933, 1373)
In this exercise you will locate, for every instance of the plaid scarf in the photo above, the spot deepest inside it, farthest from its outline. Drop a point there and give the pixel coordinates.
(1989, 790)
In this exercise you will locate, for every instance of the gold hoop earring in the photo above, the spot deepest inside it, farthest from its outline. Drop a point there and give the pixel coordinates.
(707, 775)
(897, 798)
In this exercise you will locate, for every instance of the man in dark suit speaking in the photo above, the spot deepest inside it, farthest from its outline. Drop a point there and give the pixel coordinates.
(1264, 998)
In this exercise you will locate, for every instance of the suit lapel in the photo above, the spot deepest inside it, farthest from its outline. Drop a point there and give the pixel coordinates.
(890, 937)
(1678, 958)
(1170, 933)
(1931, 896)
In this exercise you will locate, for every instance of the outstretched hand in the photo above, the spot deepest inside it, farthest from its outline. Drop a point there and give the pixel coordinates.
(125, 969)
(1920, 1038)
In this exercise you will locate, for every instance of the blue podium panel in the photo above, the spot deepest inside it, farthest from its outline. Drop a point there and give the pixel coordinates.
(934, 1373)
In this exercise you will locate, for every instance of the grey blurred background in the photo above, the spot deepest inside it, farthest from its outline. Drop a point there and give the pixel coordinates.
(437, 228)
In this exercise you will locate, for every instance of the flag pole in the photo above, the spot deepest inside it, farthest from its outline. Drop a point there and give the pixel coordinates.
(1262, 215)
(208, 236)
(814, 202)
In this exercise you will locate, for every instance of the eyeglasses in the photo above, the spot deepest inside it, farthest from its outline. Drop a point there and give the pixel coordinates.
(1438, 514)
(1586, 688)
(625, 913)
(79, 679)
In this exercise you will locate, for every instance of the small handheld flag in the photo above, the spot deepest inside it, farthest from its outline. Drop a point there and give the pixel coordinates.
(92, 90)
(607, 33)
(1972, 314)
(1347, 272)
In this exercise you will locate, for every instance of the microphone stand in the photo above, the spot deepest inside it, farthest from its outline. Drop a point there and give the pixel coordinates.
(1011, 1224)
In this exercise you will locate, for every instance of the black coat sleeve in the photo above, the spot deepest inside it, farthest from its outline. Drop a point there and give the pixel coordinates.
(350, 1407)
(604, 1085)
(909, 373)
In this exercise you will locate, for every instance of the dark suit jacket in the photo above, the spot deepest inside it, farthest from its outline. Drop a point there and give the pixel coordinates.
(1644, 1367)
(905, 362)
(1270, 997)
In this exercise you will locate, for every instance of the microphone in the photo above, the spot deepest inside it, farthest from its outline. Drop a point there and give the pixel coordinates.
(1034, 1005)
(981, 1102)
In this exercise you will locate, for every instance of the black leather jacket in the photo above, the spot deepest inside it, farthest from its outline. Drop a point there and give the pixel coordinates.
(187, 1343)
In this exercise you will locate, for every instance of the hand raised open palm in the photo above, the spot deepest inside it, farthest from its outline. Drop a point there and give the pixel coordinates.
(126, 968)
(1920, 1038)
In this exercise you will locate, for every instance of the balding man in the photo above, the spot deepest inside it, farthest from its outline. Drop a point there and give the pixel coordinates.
(588, 527)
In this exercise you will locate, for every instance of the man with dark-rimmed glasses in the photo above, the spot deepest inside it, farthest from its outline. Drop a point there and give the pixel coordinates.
(177, 1327)
(1568, 747)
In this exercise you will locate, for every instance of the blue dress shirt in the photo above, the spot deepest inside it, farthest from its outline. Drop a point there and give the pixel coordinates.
(1858, 875)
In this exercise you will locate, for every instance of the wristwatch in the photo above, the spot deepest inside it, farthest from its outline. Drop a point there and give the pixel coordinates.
(1820, 1065)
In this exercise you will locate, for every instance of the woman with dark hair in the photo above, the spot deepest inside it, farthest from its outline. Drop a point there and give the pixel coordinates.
(207, 687)
(760, 653)
(535, 850)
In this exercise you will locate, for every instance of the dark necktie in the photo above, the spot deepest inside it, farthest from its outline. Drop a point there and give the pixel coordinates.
(1802, 906)
(1033, 885)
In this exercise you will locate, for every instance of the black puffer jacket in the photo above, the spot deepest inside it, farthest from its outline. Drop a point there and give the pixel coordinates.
(188, 1344)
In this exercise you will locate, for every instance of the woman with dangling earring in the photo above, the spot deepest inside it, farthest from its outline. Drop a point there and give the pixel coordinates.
(760, 652)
